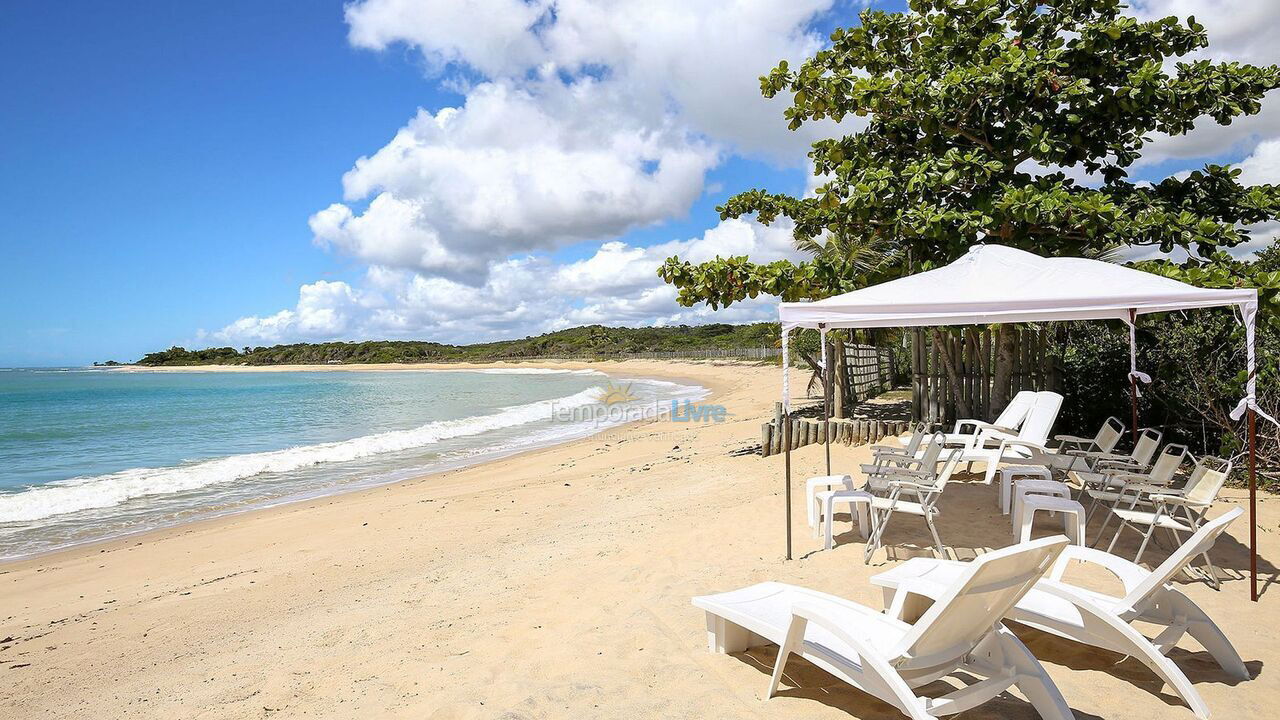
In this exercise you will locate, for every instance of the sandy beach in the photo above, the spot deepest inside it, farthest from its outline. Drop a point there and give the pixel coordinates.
(551, 584)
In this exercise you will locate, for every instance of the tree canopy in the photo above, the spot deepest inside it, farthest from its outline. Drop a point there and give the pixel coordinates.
(981, 119)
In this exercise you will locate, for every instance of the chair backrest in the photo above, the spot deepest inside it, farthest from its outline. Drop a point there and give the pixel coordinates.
(1016, 411)
(1206, 480)
(951, 461)
(929, 460)
(1040, 420)
(966, 613)
(1167, 464)
(1199, 542)
(1145, 449)
(918, 434)
(1110, 434)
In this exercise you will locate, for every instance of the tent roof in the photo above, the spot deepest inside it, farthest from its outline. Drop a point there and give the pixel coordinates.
(997, 284)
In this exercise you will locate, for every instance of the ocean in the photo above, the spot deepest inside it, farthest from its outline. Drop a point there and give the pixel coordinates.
(90, 454)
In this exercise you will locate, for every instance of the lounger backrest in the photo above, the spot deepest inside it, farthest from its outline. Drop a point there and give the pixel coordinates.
(1040, 420)
(961, 617)
(1206, 480)
(1167, 464)
(1109, 435)
(1197, 544)
(1145, 449)
(1016, 411)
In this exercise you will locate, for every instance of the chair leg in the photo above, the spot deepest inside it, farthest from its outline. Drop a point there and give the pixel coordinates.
(1151, 530)
(937, 542)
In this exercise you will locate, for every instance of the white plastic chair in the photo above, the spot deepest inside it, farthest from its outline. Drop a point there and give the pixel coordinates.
(1103, 442)
(1102, 620)
(1114, 485)
(1177, 509)
(959, 636)
(925, 486)
(1136, 460)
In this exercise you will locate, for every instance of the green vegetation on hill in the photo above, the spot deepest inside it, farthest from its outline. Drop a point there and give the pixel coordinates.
(590, 340)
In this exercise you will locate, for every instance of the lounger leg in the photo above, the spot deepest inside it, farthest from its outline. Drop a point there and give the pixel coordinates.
(795, 636)
(726, 637)
(1116, 537)
(1210, 636)
(1032, 680)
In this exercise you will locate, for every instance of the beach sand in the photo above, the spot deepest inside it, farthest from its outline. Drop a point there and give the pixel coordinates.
(553, 584)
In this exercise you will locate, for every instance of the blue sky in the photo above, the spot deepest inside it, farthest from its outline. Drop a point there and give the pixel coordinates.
(167, 169)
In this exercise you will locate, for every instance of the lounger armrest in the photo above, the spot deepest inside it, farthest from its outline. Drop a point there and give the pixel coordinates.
(1129, 574)
(977, 425)
(814, 613)
(1036, 448)
(1083, 603)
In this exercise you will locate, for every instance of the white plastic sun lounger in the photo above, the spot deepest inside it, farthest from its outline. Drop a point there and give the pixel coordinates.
(969, 432)
(1101, 620)
(961, 635)
(1035, 429)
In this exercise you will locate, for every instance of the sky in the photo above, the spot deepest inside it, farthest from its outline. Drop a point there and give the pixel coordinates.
(246, 173)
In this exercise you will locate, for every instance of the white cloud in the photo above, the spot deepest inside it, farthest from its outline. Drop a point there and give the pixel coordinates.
(616, 285)
(1263, 166)
(698, 59)
(1240, 31)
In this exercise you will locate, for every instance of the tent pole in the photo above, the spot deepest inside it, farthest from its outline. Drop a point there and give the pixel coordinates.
(786, 444)
(1133, 381)
(826, 400)
(1253, 506)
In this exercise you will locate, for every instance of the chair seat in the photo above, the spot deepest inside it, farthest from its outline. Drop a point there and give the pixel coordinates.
(1143, 517)
(906, 506)
(765, 609)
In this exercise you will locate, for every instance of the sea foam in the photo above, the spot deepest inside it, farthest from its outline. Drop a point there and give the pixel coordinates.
(102, 491)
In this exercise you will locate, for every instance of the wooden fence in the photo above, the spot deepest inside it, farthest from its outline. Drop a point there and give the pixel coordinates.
(973, 352)
(809, 431)
(870, 370)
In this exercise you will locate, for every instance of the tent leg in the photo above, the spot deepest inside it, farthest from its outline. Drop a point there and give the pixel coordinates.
(1133, 381)
(1253, 506)
(1133, 403)
(826, 411)
(786, 444)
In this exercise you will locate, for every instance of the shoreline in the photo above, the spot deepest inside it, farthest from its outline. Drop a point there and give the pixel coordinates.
(712, 388)
(554, 583)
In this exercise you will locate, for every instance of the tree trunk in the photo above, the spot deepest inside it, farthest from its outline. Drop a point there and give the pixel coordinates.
(1002, 373)
(953, 375)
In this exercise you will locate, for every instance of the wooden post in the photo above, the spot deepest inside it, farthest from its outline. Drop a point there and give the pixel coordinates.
(1253, 506)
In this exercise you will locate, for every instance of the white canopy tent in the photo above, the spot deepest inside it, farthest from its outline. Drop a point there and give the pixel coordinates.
(998, 284)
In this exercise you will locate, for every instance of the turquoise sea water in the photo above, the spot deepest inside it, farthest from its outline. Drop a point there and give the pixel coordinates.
(89, 454)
